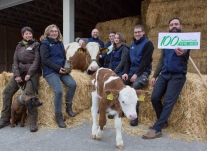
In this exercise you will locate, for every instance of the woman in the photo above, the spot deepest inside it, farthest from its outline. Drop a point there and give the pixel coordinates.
(53, 58)
(120, 54)
(109, 45)
(26, 70)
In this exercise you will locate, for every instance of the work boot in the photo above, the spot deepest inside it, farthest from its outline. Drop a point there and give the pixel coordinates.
(152, 134)
(110, 116)
(59, 120)
(69, 109)
(33, 127)
(3, 123)
(135, 121)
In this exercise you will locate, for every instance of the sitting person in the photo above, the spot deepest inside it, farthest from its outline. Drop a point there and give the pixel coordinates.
(139, 67)
(109, 45)
(94, 38)
(26, 71)
(120, 54)
(53, 58)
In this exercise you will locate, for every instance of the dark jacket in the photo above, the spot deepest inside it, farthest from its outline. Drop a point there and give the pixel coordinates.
(52, 56)
(107, 60)
(26, 58)
(140, 57)
(119, 57)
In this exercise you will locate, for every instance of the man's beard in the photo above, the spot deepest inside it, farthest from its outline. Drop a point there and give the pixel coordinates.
(176, 30)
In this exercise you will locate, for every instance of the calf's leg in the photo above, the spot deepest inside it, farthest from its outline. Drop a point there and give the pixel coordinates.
(94, 112)
(118, 126)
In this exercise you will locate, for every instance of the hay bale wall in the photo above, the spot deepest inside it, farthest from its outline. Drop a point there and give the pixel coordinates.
(124, 25)
(193, 16)
(81, 102)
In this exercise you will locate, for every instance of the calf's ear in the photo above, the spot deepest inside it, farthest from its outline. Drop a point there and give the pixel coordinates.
(104, 50)
(142, 92)
(111, 94)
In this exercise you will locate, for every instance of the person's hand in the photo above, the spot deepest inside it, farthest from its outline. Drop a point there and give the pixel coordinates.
(81, 42)
(27, 77)
(62, 71)
(18, 79)
(125, 77)
(133, 78)
(179, 51)
(153, 81)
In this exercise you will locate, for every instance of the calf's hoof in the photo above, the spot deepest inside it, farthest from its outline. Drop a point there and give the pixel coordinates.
(98, 139)
(21, 125)
(94, 136)
(12, 126)
(120, 147)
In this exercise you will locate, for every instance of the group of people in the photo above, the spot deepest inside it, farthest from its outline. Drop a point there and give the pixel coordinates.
(133, 64)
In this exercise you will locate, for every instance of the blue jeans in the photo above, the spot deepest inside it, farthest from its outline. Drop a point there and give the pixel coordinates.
(54, 80)
(171, 86)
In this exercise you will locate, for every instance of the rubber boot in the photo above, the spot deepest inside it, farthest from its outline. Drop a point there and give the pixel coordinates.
(59, 120)
(69, 109)
(135, 121)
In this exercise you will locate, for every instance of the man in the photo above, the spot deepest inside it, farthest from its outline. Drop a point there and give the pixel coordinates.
(94, 38)
(139, 67)
(171, 72)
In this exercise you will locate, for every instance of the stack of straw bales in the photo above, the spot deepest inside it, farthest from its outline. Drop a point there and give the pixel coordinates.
(124, 25)
(81, 102)
(193, 15)
(189, 116)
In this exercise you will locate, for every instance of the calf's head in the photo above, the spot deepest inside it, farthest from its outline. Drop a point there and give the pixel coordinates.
(126, 99)
(93, 50)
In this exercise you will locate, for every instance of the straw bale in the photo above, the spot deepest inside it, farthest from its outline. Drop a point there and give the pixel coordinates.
(187, 10)
(123, 25)
(144, 9)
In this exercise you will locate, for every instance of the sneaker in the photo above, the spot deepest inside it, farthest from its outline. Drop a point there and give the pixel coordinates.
(33, 127)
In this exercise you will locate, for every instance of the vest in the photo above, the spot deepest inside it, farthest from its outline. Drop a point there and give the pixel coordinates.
(56, 55)
(136, 55)
(174, 64)
(116, 57)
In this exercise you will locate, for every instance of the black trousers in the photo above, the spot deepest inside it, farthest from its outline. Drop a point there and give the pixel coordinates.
(171, 86)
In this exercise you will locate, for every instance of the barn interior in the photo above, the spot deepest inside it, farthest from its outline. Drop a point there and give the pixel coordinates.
(189, 116)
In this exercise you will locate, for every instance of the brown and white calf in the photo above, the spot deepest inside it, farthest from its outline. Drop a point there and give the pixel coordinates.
(110, 94)
(84, 59)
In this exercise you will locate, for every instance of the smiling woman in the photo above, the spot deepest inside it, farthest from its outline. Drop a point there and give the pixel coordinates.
(26, 70)
(53, 58)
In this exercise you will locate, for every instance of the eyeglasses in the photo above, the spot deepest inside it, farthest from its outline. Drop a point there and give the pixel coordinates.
(53, 31)
(137, 32)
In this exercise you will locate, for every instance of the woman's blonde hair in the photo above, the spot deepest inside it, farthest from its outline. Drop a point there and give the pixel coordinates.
(47, 31)
(122, 39)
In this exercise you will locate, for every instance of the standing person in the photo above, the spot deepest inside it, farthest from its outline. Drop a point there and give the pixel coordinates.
(53, 58)
(94, 38)
(171, 72)
(140, 65)
(120, 54)
(109, 45)
(26, 70)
